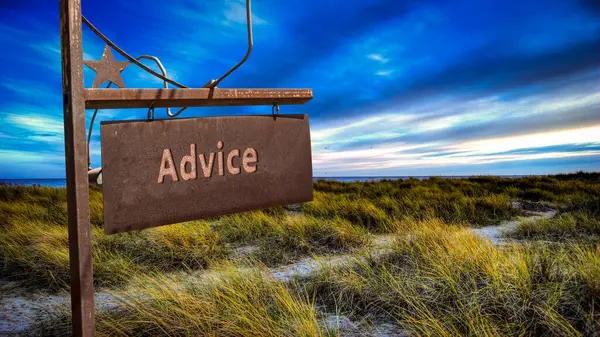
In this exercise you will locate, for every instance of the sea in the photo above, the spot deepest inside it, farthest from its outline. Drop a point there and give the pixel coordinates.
(31, 182)
(63, 182)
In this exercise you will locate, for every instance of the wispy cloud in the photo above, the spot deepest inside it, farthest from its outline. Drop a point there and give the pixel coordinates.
(483, 130)
(378, 57)
(382, 159)
(506, 144)
(36, 123)
(30, 89)
(23, 157)
(235, 13)
(384, 72)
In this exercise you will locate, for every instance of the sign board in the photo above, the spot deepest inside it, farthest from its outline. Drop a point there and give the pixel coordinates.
(168, 171)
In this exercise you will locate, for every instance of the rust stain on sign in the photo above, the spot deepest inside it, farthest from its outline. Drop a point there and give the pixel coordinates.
(168, 171)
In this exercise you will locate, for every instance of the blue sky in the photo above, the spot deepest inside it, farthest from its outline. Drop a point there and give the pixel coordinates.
(452, 87)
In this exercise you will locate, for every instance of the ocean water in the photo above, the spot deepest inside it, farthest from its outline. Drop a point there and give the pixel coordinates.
(63, 182)
(31, 182)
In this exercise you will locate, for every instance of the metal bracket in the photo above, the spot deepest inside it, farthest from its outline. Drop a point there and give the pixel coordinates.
(275, 110)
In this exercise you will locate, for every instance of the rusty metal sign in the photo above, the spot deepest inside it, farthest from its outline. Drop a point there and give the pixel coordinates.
(168, 171)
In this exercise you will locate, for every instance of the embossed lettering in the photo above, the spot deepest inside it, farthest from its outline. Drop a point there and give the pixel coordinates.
(167, 167)
(207, 169)
(250, 157)
(232, 169)
(191, 159)
(188, 169)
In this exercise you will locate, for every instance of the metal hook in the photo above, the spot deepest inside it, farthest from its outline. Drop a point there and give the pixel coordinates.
(214, 83)
(166, 84)
(151, 112)
(275, 110)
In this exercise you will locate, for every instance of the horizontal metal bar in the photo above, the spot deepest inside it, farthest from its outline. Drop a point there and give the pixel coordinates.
(100, 98)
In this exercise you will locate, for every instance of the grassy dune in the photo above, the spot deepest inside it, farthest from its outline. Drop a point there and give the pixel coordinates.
(34, 240)
(568, 226)
(227, 303)
(281, 237)
(378, 204)
(438, 279)
(443, 281)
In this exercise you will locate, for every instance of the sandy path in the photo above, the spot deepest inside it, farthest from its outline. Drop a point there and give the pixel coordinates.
(349, 328)
(17, 313)
(496, 233)
(309, 266)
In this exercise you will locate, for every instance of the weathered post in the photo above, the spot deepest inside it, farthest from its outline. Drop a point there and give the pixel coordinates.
(80, 240)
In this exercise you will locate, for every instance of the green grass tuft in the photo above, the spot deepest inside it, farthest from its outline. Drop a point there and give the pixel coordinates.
(578, 226)
(37, 253)
(444, 281)
(360, 211)
(285, 238)
(229, 302)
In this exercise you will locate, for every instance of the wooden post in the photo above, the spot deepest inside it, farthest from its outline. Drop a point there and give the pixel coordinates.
(80, 240)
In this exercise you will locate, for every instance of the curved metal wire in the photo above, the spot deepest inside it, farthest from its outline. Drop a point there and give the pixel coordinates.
(211, 83)
(127, 56)
(214, 83)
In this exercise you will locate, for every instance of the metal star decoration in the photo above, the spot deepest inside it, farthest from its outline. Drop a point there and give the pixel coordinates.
(107, 69)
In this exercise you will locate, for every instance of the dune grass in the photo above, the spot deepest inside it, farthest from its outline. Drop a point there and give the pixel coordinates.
(34, 240)
(33, 245)
(358, 210)
(476, 201)
(377, 205)
(280, 237)
(229, 302)
(438, 280)
(37, 254)
(581, 226)
(444, 281)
